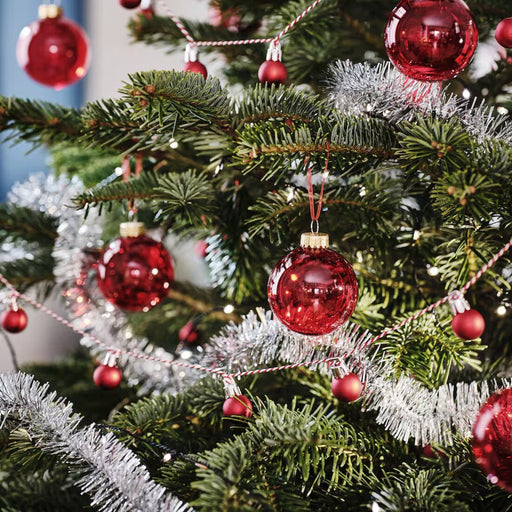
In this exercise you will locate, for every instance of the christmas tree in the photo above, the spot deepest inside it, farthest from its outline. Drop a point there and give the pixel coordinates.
(377, 377)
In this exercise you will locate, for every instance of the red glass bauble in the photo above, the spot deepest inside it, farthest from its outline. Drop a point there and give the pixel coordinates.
(195, 67)
(431, 40)
(347, 388)
(189, 333)
(503, 33)
(238, 405)
(272, 72)
(468, 325)
(312, 291)
(135, 273)
(129, 4)
(107, 377)
(492, 439)
(14, 320)
(228, 18)
(54, 51)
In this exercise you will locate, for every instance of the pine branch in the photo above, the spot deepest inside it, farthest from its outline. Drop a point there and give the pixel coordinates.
(27, 224)
(38, 122)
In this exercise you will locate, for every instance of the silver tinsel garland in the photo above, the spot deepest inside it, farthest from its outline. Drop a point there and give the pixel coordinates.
(102, 466)
(404, 406)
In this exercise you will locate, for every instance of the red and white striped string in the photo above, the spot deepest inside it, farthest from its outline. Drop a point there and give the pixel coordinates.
(238, 42)
(228, 377)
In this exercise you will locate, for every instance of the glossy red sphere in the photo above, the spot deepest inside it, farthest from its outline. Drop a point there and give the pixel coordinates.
(53, 51)
(189, 333)
(503, 33)
(238, 405)
(196, 67)
(312, 291)
(135, 273)
(468, 325)
(492, 439)
(347, 388)
(431, 40)
(107, 377)
(129, 4)
(14, 320)
(272, 72)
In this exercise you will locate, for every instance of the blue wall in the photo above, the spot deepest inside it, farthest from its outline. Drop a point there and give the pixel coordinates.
(15, 163)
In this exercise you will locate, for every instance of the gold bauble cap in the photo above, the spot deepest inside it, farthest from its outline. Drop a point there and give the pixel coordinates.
(314, 240)
(131, 229)
(49, 11)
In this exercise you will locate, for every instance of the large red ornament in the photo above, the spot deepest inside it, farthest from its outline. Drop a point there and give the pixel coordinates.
(313, 290)
(189, 333)
(272, 72)
(129, 4)
(503, 33)
(468, 325)
(134, 272)
(53, 50)
(431, 40)
(238, 405)
(107, 377)
(347, 388)
(14, 320)
(492, 439)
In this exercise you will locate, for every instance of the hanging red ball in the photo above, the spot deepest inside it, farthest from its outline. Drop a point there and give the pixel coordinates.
(189, 333)
(129, 4)
(272, 72)
(107, 377)
(53, 50)
(313, 290)
(14, 320)
(431, 40)
(468, 325)
(238, 405)
(134, 272)
(503, 33)
(347, 388)
(492, 439)
(196, 67)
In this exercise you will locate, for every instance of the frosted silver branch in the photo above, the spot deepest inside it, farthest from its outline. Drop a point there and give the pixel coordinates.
(107, 471)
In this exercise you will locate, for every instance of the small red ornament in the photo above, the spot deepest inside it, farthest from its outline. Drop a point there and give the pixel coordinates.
(196, 67)
(468, 325)
(134, 272)
(313, 290)
(129, 4)
(228, 19)
(189, 333)
(492, 439)
(347, 388)
(192, 63)
(238, 405)
(503, 33)
(272, 72)
(107, 377)
(53, 50)
(14, 319)
(431, 40)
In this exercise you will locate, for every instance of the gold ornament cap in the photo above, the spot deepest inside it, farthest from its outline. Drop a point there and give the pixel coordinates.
(127, 229)
(314, 240)
(49, 11)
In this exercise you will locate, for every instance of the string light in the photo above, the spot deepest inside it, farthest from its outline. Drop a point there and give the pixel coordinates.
(501, 310)
(229, 309)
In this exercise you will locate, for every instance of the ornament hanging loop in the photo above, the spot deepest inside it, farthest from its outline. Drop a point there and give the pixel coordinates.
(191, 53)
(315, 226)
(274, 51)
(230, 387)
(110, 359)
(458, 304)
